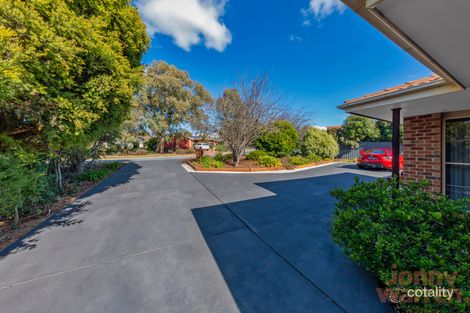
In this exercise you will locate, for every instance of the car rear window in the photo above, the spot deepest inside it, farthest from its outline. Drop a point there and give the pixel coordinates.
(376, 151)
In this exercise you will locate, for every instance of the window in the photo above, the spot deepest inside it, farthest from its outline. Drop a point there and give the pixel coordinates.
(457, 158)
(377, 151)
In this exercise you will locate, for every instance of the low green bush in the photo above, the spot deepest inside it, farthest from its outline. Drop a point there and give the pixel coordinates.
(256, 155)
(208, 162)
(313, 158)
(298, 160)
(301, 160)
(100, 172)
(225, 158)
(407, 229)
(268, 161)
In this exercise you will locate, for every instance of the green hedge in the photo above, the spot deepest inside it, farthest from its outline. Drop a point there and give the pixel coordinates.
(301, 160)
(208, 162)
(256, 155)
(268, 161)
(99, 172)
(379, 226)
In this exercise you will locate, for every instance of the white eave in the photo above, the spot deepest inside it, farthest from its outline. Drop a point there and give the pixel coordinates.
(435, 34)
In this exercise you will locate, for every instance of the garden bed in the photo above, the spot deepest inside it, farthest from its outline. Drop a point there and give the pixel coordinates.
(252, 166)
(73, 189)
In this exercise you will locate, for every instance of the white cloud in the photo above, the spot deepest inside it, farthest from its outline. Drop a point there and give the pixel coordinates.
(293, 37)
(320, 9)
(187, 21)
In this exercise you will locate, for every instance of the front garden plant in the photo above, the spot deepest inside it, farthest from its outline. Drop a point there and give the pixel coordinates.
(407, 230)
(279, 141)
(320, 143)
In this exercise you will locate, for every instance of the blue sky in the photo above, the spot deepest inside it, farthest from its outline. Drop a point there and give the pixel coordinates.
(317, 52)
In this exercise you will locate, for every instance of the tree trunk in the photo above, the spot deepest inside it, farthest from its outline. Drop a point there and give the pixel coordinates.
(58, 174)
(161, 147)
(236, 157)
(80, 166)
(16, 218)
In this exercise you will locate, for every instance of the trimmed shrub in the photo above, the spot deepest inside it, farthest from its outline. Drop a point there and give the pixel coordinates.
(256, 155)
(299, 160)
(225, 158)
(320, 143)
(208, 162)
(279, 142)
(268, 161)
(313, 158)
(407, 230)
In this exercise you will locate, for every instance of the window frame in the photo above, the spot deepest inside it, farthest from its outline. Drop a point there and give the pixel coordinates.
(457, 115)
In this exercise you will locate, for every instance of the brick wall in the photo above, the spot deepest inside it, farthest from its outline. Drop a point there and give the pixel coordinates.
(422, 149)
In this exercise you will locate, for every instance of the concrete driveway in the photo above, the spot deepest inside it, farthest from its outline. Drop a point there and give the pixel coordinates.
(155, 238)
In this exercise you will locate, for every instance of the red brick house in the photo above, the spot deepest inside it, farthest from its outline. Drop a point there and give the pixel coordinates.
(188, 142)
(434, 111)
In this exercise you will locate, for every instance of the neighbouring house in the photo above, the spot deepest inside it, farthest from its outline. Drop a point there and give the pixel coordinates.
(333, 130)
(178, 143)
(213, 141)
(189, 142)
(435, 110)
(142, 141)
(320, 127)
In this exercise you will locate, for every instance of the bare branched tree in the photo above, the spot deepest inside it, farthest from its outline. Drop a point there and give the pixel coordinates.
(242, 114)
(298, 117)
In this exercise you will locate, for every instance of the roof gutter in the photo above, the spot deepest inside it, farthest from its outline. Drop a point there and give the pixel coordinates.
(368, 10)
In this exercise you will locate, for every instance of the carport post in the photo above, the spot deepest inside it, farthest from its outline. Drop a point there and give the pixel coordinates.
(396, 143)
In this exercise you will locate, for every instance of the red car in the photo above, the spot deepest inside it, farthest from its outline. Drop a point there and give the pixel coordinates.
(377, 158)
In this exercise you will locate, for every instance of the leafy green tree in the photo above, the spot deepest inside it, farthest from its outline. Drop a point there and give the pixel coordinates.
(385, 131)
(317, 142)
(170, 99)
(280, 141)
(356, 129)
(68, 71)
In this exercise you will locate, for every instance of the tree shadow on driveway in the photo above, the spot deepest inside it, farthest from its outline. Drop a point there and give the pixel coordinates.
(71, 214)
(276, 253)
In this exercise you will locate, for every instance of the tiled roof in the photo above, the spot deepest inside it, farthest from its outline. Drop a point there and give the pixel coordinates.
(415, 83)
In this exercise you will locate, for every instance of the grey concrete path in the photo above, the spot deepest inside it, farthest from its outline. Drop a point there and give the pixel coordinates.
(155, 238)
